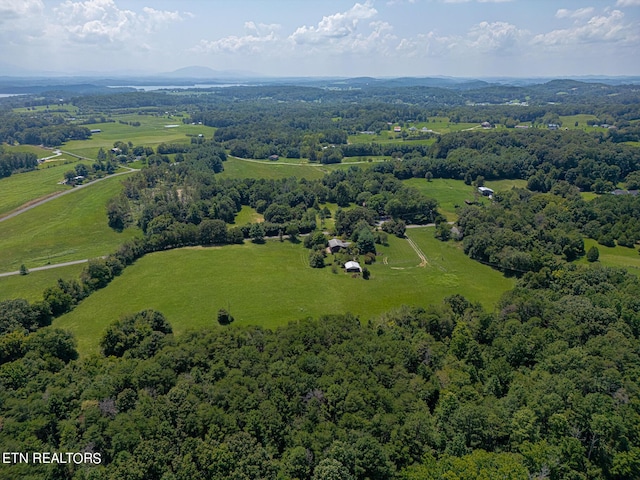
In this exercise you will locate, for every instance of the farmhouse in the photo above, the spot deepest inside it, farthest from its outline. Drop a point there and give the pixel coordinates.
(487, 192)
(397, 129)
(352, 266)
(335, 245)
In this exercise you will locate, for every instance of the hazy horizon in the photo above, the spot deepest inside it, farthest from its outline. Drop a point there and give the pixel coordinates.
(335, 38)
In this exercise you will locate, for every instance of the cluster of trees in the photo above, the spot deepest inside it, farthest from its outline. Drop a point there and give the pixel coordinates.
(543, 157)
(521, 231)
(545, 386)
(172, 200)
(44, 129)
(11, 162)
(258, 131)
(611, 219)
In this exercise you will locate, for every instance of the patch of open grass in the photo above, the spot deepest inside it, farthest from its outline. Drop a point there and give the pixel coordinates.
(569, 121)
(40, 152)
(21, 188)
(617, 256)
(248, 215)
(451, 193)
(31, 286)
(237, 168)
(152, 131)
(272, 284)
(71, 227)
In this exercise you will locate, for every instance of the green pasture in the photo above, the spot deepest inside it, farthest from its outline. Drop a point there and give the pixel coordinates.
(237, 168)
(614, 256)
(248, 215)
(40, 152)
(21, 188)
(569, 121)
(587, 196)
(53, 107)
(451, 193)
(71, 227)
(444, 125)
(31, 286)
(152, 131)
(271, 284)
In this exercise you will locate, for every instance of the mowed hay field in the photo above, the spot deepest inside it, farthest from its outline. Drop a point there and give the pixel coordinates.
(152, 131)
(452, 193)
(272, 284)
(31, 286)
(614, 256)
(22, 188)
(71, 227)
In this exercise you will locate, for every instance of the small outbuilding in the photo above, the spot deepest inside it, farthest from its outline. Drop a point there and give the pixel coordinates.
(352, 266)
(487, 192)
(335, 245)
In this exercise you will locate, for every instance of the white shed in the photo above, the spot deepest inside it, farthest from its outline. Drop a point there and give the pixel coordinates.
(352, 266)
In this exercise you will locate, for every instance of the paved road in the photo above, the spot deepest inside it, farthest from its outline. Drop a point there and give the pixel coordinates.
(46, 267)
(21, 210)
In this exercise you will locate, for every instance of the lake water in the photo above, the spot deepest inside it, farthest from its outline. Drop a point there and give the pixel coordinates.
(148, 88)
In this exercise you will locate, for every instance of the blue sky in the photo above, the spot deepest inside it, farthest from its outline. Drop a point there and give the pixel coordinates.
(468, 38)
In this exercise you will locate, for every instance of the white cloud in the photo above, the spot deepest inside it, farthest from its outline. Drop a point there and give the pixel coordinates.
(11, 10)
(479, 1)
(428, 45)
(334, 27)
(341, 32)
(577, 14)
(258, 37)
(609, 28)
(102, 21)
(496, 36)
(483, 38)
(628, 3)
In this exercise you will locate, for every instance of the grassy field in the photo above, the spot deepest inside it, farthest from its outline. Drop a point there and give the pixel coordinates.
(248, 215)
(152, 131)
(272, 284)
(39, 151)
(615, 256)
(65, 107)
(31, 286)
(21, 188)
(451, 193)
(439, 126)
(237, 168)
(569, 121)
(71, 227)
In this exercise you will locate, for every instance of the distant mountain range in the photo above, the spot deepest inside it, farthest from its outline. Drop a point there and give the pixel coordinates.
(19, 81)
